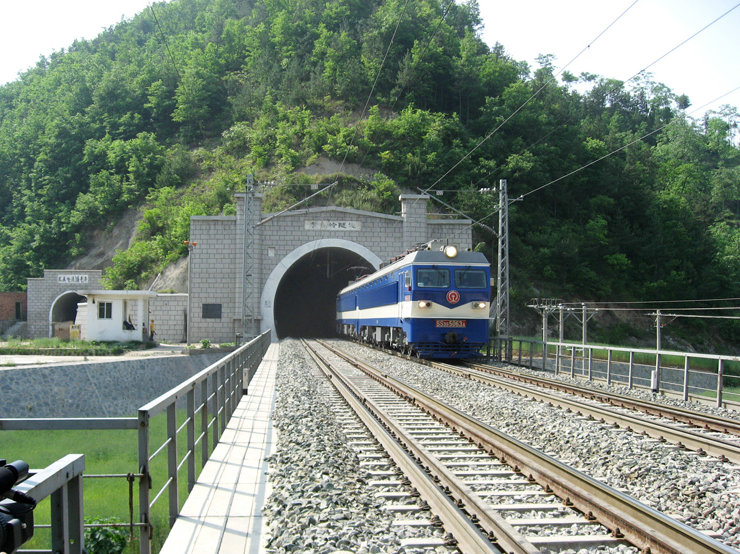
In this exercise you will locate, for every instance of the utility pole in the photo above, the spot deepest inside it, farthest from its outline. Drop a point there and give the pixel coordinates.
(502, 281)
(248, 268)
(545, 306)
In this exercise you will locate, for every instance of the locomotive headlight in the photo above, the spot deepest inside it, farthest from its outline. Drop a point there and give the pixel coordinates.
(450, 251)
(424, 304)
(480, 305)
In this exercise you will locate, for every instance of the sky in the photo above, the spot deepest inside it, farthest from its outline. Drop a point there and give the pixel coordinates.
(705, 68)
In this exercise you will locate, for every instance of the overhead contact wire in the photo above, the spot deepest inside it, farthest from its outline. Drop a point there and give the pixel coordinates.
(532, 97)
(375, 82)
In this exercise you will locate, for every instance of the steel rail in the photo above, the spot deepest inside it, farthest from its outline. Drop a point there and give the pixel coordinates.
(715, 423)
(694, 440)
(467, 534)
(641, 525)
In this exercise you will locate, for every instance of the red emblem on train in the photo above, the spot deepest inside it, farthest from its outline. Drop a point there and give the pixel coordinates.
(453, 297)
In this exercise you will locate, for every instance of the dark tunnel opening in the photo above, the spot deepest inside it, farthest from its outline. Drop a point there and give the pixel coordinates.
(305, 301)
(65, 308)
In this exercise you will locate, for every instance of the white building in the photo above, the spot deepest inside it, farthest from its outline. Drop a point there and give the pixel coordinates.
(115, 315)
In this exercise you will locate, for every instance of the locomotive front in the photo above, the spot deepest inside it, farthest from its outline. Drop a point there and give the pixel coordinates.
(446, 303)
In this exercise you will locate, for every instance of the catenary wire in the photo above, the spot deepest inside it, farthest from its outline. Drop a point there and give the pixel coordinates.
(589, 164)
(375, 82)
(532, 97)
(640, 72)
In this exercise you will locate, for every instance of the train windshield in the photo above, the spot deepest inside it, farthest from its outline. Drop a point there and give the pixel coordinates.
(470, 279)
(432, 278)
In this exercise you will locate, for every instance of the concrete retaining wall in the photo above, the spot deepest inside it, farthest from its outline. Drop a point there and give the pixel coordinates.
(94, 389)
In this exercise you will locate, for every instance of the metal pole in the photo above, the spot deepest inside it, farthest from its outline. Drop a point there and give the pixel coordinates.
(174, 505)
(561, 334)
(584, 323)
(685, 377)
(145, 483)
(656, 384)
(544, 339)
(720, 375)
(191, 438)
(502, 282)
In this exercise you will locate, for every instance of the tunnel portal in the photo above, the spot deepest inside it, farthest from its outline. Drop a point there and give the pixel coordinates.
(305, 301)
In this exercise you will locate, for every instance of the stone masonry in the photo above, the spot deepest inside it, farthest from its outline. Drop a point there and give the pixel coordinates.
(232, 287)
(55, 292)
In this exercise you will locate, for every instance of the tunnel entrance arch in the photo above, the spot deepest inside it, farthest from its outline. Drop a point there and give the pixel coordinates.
(64, 309)
(298, 296)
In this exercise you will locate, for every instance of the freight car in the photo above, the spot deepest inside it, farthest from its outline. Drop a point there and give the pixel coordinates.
(432, 302)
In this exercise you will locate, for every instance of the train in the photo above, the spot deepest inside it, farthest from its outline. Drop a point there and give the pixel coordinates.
(432, 302)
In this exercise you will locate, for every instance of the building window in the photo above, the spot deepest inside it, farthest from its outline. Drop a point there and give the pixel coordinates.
(211, 311)
(105, 310)
(18, 311)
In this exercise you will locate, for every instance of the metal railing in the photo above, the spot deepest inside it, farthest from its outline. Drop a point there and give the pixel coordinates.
(620, 365)
(61, 482)
(210, 398)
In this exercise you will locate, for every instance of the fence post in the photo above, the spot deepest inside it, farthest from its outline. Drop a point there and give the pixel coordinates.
(222, 399)
(172, 461)
(204, 422)
(685, 377)
(531, 352)
(720, 375)
(145, 483)
(573, 361)
(191, 438)
(631, 370)
(609, 366)
(214, 409)
(519, 358)
(590, 363)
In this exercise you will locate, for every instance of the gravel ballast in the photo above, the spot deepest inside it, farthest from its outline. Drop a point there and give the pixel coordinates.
(697, 490)
(322, 503)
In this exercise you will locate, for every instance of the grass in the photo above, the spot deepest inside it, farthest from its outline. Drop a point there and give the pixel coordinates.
(58, 347)
(106, 452)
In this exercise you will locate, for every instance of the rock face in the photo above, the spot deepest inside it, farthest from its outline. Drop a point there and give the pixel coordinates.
(104, 242)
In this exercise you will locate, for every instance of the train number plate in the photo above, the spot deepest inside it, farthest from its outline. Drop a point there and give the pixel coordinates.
(449, 323)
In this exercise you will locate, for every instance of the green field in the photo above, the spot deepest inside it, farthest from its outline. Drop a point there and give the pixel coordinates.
(106, 452)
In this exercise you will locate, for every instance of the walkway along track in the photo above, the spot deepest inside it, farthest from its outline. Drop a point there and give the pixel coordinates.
(459, 485)
(695, 438)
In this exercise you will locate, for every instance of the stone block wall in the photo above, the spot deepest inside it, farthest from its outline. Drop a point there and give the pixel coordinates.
(94, 389)
(214, 269)
(169, 313)
(44, 291)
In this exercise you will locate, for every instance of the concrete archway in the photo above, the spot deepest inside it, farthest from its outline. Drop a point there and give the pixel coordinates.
(273, 295)
(63, 308)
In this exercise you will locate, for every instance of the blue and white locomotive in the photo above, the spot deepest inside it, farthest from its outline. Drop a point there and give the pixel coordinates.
(432, 302)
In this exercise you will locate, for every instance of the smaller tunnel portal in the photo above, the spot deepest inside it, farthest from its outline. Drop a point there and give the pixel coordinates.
(305, 300)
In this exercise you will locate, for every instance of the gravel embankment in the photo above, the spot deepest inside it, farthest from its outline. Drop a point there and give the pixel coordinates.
(320, 501)
(699, 491)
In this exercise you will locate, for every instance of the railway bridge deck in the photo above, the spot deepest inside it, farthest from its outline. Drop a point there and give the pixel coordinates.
(223, 513)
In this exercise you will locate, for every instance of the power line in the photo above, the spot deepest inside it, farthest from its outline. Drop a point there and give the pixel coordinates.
(532, 97)
(688, 301)
(683, 42)
(589, 164)
(166, 43)
(676, 47)
(375, 82)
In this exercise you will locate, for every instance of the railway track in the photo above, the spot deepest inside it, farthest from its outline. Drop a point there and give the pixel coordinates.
(676, 414)
(703, 433)
(489, 490)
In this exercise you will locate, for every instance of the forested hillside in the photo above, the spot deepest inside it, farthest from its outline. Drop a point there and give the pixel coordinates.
(175, 108)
